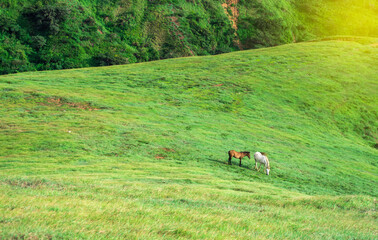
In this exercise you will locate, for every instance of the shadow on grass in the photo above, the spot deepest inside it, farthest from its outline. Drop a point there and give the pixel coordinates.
(218, 161)
(225, 162)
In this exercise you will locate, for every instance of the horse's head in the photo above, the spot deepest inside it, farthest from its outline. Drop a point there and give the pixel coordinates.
(267, 171)
(249, 155)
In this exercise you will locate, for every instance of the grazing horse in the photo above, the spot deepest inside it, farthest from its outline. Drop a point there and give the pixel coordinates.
(239, 155)
(262, 158)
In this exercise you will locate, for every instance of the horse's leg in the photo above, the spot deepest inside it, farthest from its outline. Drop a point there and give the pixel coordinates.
(240, 162)
(255, 165)
(229, 160)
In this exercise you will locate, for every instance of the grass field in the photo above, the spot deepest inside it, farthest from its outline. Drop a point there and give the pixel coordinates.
(139, 151)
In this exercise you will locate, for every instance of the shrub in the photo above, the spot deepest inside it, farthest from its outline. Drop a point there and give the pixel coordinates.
(8, 24)
(47, 18)
(109, 58)
(38, 42)
(13, 56)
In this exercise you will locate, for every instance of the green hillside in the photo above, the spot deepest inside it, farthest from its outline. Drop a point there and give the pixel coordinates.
(61, 34)
(139, 151)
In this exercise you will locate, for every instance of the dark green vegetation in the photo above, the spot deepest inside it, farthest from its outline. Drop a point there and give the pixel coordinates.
(140, 150)
(57, 34)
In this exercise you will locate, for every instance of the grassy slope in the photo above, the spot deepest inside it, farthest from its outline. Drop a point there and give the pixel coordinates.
(139, 151)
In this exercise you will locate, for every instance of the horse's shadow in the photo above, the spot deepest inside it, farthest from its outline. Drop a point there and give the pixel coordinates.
(218, 161)
(226, 163)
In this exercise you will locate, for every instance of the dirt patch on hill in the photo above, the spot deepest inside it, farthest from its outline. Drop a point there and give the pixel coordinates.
(232, 6)
(232, 12)
(168, 149)
(61, 102)
(46, 100)
(32, 183)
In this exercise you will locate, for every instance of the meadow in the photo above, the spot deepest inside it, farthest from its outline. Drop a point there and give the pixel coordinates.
(139, 151)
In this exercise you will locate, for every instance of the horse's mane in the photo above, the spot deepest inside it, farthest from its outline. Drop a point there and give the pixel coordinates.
(264, 154)
(245, 152)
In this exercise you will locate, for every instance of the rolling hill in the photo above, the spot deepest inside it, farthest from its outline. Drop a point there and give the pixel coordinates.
(139, 151)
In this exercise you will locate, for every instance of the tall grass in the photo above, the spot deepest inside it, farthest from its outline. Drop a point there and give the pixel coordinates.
(140, 151)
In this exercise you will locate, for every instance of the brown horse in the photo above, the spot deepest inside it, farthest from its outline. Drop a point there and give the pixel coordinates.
(239, 155)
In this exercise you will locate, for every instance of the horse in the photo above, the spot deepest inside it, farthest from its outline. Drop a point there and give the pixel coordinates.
(262, 158)
(239, 155)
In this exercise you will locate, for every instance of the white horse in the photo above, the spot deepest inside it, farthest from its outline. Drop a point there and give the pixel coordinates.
(262, 158)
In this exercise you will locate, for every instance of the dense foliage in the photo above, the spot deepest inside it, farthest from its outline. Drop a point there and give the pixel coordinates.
(57, 34)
